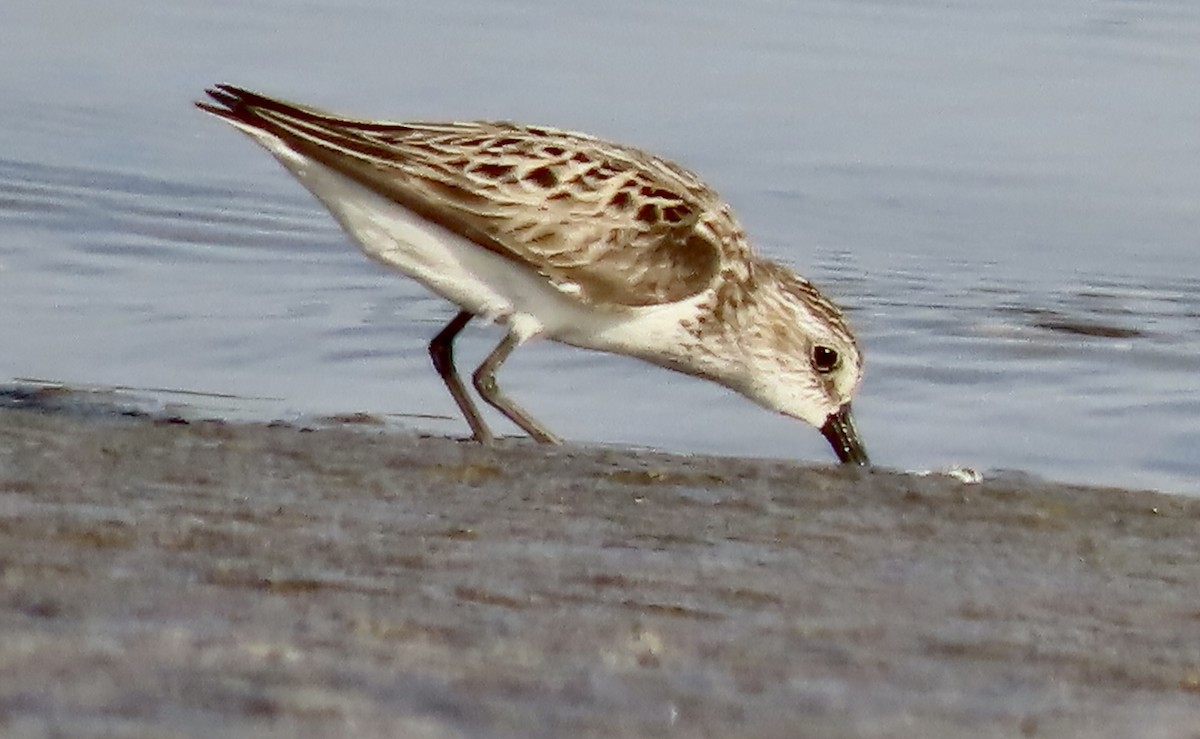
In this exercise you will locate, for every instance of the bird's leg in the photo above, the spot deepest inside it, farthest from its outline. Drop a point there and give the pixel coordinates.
(485, 383)
(441, 351)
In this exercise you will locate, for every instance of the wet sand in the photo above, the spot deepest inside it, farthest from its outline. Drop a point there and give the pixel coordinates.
(163, 578)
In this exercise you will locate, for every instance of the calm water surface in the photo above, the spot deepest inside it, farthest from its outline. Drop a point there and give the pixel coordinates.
(1005, 195)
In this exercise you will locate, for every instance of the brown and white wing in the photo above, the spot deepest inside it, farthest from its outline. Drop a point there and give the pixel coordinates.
(605, 223)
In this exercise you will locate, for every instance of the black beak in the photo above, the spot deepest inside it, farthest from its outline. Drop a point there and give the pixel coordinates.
(843, 437)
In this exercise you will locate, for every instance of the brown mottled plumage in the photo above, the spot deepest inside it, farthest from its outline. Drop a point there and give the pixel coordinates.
(561, 234)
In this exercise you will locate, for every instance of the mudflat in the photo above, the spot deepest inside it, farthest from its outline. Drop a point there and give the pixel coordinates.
(161, 577)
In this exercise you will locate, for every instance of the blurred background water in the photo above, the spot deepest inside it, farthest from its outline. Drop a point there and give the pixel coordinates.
(1005, 195)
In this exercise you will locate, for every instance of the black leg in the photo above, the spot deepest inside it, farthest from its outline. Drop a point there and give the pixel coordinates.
(441, 350)
(485, 383)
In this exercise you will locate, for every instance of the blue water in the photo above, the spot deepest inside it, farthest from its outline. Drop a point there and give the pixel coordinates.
(1004, 195)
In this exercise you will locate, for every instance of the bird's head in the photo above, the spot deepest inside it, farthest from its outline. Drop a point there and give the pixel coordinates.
(803, 360)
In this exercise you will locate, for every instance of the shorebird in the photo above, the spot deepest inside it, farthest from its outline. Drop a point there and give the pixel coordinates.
(569, 237)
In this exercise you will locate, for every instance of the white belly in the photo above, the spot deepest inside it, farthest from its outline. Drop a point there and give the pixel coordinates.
(485, 283)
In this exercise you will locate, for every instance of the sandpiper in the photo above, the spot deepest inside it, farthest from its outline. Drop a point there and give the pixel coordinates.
(566, 236)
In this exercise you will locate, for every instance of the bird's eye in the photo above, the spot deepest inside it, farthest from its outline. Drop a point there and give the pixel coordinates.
(824, 359)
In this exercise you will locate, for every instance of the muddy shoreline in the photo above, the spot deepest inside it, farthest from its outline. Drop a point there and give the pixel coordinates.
(171, 577)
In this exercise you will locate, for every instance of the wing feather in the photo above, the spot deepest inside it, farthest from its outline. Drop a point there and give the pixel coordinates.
(605, 223)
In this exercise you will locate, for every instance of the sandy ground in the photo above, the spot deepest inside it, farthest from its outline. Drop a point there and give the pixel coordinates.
(169, 579)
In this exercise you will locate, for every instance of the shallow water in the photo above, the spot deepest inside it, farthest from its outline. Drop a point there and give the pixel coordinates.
(1005, 196)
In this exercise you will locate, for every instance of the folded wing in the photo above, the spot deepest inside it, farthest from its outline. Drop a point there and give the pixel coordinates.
(604, 223)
